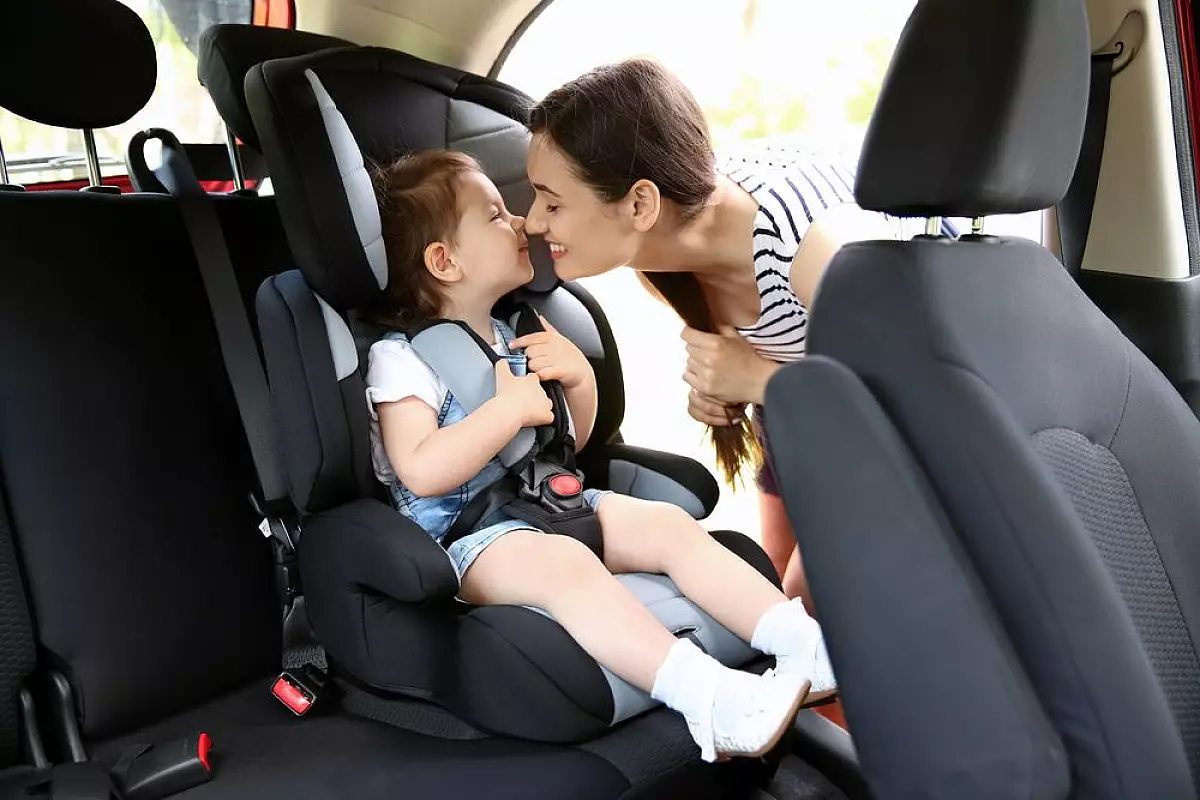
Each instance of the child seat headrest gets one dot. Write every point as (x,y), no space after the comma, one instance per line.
(226,54)
(323,119)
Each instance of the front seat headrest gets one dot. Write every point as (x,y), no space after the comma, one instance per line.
(982,110)
(324,119)
(76,63)
(226,54)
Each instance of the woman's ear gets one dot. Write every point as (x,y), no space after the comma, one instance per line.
(644,204)
(439,260)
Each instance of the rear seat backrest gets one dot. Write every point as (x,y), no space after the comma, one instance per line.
(121,447)
(17,654)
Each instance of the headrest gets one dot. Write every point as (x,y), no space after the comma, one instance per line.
(322,118)
(76,63)
(982,110)
(226,54)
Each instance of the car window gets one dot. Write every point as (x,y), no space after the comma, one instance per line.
(39,153)
(806,70)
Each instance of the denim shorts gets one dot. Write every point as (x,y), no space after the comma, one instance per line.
(464,551)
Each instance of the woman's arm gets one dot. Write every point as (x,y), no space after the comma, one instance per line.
(834,228)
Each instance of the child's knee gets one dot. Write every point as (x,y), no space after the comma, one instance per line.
(566,563)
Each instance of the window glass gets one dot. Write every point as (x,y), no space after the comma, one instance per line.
(38,153)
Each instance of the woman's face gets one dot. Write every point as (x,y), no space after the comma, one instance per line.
(587,236)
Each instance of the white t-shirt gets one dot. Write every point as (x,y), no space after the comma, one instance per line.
(396,372)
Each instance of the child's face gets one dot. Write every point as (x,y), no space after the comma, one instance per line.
(489,245)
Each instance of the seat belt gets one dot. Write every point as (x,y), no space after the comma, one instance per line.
(1075,209)
(303,678)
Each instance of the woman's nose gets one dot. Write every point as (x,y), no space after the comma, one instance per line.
(534,225)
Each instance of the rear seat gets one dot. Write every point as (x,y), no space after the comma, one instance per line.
(127,476)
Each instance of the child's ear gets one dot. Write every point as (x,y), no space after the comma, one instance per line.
(439,260)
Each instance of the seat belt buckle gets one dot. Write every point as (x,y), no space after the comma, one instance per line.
(163,770)
(300,690)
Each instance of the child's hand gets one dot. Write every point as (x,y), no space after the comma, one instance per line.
(525,396)
(553,357)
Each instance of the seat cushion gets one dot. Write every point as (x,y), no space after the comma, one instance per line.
(261,751)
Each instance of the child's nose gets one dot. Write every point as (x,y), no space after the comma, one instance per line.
(518,224)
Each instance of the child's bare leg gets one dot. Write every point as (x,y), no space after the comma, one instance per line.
(727,712)
(644,536)
(564,577)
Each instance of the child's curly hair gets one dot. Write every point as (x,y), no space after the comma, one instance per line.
(418,204)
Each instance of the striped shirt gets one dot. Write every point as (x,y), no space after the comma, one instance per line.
(792,187)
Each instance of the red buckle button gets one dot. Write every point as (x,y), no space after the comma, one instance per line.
(294,697)
(203,746)
(565,485)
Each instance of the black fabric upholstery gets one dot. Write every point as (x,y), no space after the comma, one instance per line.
(938,703)
(320,432)
(100,70)
(260,751)
(968,123)
(1105,500)
(977,348)
(393,103)
(123,457)
(227,52)
(381,594)
(17,654)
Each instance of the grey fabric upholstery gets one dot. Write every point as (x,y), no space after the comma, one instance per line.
(968,122)
(982,352)
(937,701)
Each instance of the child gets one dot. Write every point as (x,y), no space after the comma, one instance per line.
(453,251)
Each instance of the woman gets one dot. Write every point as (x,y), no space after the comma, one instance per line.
(624,174)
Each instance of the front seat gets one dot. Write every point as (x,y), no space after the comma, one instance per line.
(1065,462)
(380,592)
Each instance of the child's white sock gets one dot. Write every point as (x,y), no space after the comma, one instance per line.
(729,713)
(787,632)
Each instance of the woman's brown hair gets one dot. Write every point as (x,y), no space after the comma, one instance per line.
(418,205)
(634,120)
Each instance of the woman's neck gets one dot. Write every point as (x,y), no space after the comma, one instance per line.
(717,246)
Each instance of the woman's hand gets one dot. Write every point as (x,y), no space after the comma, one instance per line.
(554,357)
(723,368)
(709,411)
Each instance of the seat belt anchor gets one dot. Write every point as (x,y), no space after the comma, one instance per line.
(301,689)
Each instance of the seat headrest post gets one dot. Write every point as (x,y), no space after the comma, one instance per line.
(977,226)
(235,160)
(982,110)
(3,166)
(93,158)
(933,226)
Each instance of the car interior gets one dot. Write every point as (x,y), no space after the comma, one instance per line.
(988,455)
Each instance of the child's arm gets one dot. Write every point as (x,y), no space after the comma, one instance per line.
(553,357)
(431,461)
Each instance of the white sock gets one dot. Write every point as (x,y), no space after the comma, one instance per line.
(787,632)
(687,679)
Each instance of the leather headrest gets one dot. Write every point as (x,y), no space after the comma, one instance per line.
(323,118)
(226,54)
(982,110)
(75,63)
